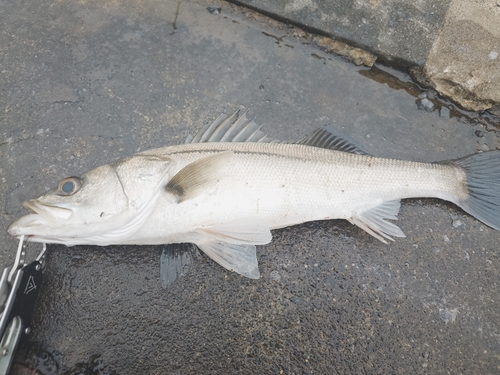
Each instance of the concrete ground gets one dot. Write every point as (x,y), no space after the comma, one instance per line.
(88,82)
(452,45)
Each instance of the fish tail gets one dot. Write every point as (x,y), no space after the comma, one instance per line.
(483,186)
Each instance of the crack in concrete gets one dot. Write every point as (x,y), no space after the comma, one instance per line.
(177,11)
(66,102)
(11,141)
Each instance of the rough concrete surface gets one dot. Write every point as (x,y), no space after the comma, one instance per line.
(464,62)
(402,30)
(87,82)
(453,45)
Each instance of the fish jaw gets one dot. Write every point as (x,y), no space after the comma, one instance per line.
(36,228)
(42,226)
(41,217)
(27,225)
(55,213)
(47,222)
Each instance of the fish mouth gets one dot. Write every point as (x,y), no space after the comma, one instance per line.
(49,212)
(41,216)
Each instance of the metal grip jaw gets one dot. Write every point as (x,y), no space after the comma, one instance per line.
(19,287)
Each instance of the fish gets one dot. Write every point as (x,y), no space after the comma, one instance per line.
(227,187)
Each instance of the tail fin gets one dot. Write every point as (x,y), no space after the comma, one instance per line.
(483,183)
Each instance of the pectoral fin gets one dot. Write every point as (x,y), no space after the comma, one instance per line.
(232,244)
(198,177)
(372,221)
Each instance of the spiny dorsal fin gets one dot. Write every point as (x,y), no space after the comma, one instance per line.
(323,138)
(196,177)
(235,128)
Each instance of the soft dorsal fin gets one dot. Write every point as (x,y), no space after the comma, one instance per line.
(324,138)
(235,128)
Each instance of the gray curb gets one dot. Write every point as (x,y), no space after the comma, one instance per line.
(452,45)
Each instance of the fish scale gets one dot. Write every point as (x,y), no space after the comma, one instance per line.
(272,181)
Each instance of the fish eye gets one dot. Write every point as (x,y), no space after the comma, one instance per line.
(69,185)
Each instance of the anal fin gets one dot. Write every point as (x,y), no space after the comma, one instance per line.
(373,221)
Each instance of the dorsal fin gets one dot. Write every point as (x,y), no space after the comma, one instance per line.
(235,128)
(324,138)
(238,128)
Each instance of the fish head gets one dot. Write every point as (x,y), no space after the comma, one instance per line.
(99,207)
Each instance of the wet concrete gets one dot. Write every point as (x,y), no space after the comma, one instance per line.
(396,30)
(451,45)
(89,82)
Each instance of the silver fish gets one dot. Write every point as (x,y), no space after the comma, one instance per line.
(230,185)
